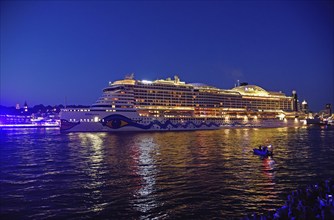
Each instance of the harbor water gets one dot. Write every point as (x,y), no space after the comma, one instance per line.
(157,175)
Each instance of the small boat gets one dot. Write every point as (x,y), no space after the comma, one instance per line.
(263,151)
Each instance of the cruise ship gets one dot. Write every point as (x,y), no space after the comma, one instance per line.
(170,104)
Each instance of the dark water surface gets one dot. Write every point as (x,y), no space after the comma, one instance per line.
(172,175)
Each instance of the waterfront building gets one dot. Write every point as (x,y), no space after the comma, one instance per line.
(328,109)
(305,107)
(11,117)
(166,104)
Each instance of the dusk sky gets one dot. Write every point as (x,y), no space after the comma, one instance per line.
(56,49)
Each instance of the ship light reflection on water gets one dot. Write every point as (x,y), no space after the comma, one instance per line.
(95,154)
(161,175)
(146,169)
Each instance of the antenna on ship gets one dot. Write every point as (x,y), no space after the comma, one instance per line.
(237,84)
(130,76)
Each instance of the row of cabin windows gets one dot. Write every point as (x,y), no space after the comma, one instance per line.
(156,89)
(117,97)
(189,95)
(216,106)
(169,96)
(160,95)
(82,120)
(226,104)
(150,99)
(114,106)
(163,87)
(162,91)
(239,103)
(207,99)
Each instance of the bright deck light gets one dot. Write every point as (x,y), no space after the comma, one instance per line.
(146,81)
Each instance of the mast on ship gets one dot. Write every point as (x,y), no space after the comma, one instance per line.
(130,76)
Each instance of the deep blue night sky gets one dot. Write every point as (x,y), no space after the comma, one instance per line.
(56,49)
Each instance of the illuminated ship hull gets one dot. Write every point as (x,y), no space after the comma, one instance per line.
(171,105)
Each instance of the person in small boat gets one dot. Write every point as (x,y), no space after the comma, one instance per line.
(265,149)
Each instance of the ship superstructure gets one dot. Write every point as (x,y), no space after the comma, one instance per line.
(170,104)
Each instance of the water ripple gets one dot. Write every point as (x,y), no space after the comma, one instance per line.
(174,175)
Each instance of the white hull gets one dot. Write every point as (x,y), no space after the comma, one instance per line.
(100,121)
